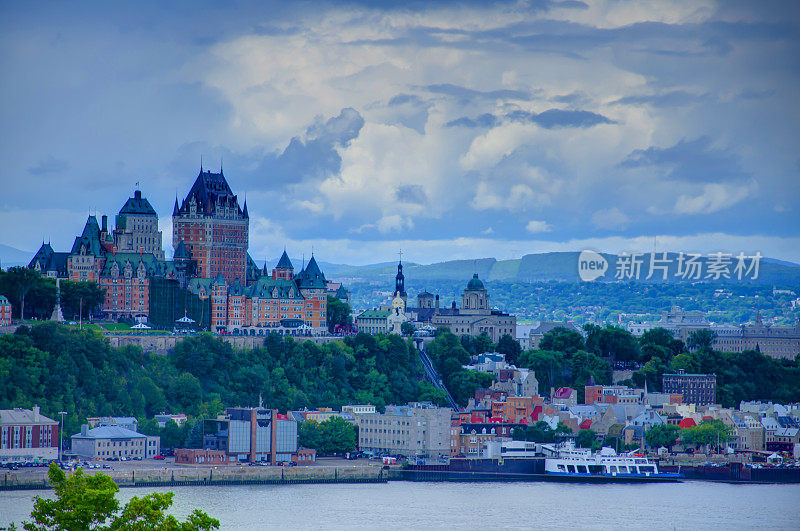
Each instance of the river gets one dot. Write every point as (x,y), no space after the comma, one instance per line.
(405,505)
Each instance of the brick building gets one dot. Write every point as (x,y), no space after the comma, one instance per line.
(700,389)
(27,436)
(283,302)
(5,311)
(214,228)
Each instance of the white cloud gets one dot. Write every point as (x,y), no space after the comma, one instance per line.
(387,224)
(535,226)
(610,218)
(715,197)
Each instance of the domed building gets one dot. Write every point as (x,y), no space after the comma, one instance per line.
(475,315)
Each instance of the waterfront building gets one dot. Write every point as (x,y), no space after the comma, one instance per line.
(5,311)
(197,456)
(700,389)
(114,441)
(27,436)
(418,429)
(252,434)
(214,228)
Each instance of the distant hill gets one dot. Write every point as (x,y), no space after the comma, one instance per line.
(9,256)
(562,266)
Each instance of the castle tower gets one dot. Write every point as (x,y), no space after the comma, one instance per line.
(284,270)
(214,228)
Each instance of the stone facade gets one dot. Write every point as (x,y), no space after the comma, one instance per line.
(137,228)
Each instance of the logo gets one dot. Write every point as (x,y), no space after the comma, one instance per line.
(591,265)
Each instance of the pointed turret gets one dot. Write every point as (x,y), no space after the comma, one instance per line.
(244,211)
(284,269)
(311,277)
(176,210)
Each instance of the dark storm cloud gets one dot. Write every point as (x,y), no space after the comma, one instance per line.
(312,157)
(550,119)
(690,160)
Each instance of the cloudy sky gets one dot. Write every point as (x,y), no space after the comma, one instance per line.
(447,129)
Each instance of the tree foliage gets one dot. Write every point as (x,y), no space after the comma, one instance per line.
(64,369)
(332,436)
(449,356)
(89,502)
(662,435)
(338,314)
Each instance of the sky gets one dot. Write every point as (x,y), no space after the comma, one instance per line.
(449,130)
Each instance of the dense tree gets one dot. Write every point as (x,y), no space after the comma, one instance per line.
(89,502)
(338,314)
(587,439)
(18,282)
(612,342)
(707,433)
(333,436)
(449,357)
(562,339)
(407,328)
(509,347)
(701,339)
(662,435)
(64,369)
(77,296)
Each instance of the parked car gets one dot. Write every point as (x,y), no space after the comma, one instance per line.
(159,457)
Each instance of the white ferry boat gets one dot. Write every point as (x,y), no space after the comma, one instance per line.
(567,460)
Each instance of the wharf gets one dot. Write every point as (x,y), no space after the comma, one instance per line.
(209,476)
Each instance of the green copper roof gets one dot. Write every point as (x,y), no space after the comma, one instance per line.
(475,283)
(138,205)
(375,314)
(311,277)
(271,288)
(284,262)
(90,238)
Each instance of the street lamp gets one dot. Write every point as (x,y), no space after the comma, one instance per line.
(61,435)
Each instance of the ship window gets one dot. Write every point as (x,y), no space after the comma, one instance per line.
(561,468)
(646,469)
(624,469)
(571,468)
(612,469)
(582,469)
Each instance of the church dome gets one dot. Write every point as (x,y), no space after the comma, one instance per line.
(475,283)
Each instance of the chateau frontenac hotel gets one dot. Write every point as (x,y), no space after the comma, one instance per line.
(211,279)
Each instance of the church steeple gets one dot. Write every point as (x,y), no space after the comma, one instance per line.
(400,281)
